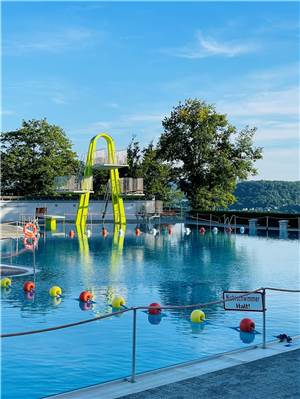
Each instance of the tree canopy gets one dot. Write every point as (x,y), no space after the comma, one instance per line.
(32,156)
(206,153)
(268,195)
(146,163)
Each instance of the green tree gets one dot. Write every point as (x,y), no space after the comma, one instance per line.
(100,180)
(156,174)
(208,155)
(144,162)
(32,156)
(134,160)
(268,195)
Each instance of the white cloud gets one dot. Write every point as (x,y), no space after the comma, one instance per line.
(7,112)
(102,125)
(276,102)
(279,164)
(208,46)
(276,74)
(129,121)
(145,118)
(276,130)
(59,99)
(53,42)
(113,105)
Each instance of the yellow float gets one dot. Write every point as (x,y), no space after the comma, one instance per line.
(5,282)
(55,291)
(197,316)
(117,302)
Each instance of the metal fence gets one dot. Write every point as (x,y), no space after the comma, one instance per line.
(263,222)
(266,222)
(130,185)
(102,158)
(73,184)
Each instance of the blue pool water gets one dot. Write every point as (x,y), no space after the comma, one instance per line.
(169,269)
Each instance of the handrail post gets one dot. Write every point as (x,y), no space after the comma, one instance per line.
(264,319)
(133,363)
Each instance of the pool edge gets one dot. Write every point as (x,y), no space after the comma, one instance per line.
(152,379)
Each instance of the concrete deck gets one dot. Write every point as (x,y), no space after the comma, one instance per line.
(253,373)
(275,377)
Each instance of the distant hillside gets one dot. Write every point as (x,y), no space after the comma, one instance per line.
(268,195)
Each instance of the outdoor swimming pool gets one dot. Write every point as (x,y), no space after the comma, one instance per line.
(170,269)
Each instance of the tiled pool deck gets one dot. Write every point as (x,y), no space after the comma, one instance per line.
(253,372)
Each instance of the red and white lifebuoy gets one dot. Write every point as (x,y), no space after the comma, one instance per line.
(30,230)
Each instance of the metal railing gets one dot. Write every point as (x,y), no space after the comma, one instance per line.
(134,309)
(236,220)
(101,157)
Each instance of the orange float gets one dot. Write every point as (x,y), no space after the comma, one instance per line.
(72,234)
(85,296)
(28,286)
(30,230)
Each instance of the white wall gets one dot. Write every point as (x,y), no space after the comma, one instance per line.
(13,210)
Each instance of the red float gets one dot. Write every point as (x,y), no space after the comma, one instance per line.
(137,232)
(170,231)
(202,230)
(86,296)
(154,308)
(28,286)
(104,232)
(247,325)
(72,234)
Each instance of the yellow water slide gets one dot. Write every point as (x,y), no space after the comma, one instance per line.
(87,183)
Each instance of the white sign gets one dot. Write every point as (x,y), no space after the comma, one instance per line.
(239,300)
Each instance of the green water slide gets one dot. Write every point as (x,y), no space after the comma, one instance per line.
(87,183)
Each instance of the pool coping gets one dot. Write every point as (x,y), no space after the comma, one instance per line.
(26,270)
(156,378)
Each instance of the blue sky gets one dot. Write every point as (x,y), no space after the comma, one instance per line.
(121,67)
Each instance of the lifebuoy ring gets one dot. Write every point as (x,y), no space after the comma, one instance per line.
(30,242)
(30,230)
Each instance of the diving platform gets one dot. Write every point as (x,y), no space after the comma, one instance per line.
(116,188)
(103,161)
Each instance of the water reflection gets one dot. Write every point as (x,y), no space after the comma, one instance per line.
(176,268)
(154,319)
(247,338)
